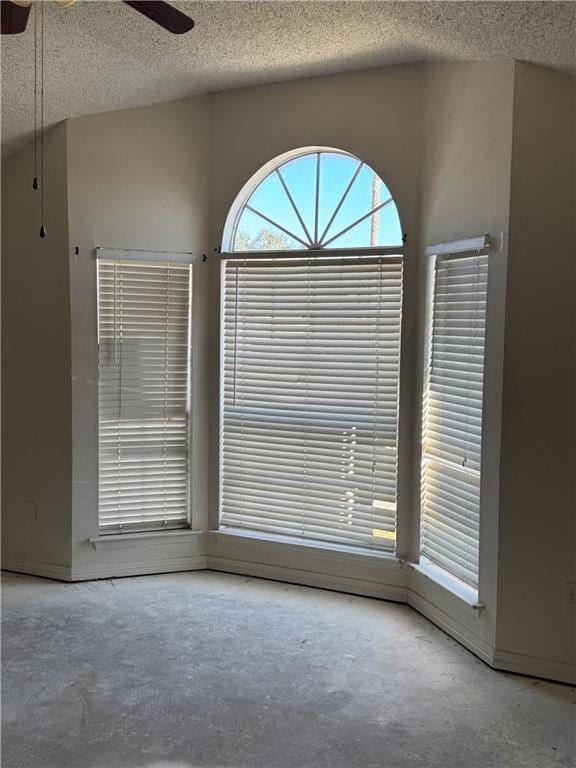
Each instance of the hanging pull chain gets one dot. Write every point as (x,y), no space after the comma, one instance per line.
(43,187)
(35,180)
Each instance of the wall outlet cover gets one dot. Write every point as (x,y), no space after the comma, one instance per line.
(31,511)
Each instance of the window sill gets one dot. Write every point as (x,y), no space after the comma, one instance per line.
(448,582)
(142,538)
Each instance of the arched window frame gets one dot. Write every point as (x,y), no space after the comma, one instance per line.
(394,252)
(243,198)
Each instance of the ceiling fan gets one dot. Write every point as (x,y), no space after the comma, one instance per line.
(15,15)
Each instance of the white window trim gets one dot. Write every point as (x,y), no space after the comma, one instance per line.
(327,253)
(464,245)
(405,496)
(470,245)
(143,536)
(140,538)
(403,438)
(450,253)
(228,548)
(450,583)
(130,254)
(294,545)
(297,543)
(491,417)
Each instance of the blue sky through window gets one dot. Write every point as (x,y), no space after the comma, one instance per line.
(281,212)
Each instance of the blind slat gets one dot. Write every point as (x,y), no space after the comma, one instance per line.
(143,335)
(309,398)
(452,428)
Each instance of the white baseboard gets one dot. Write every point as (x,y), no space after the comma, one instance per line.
(139,567)
(533,666)
(342,583)
(452,627)
(37,568)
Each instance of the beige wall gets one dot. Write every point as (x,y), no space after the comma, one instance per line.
(36,383)
(538,505)
(466,137)
(373,114)
(138,179)
(466,160)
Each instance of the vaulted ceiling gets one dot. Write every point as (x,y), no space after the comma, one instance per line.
(102,56)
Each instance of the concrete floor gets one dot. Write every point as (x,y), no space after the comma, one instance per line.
(206,670)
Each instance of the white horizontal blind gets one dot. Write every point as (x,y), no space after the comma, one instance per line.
(452,437)
(143,335)
(310,372)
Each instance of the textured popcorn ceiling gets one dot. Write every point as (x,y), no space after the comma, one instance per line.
(103,55)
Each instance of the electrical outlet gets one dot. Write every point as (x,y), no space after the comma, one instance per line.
(571,594)
(31,511)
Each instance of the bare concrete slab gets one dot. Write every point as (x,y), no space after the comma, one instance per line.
(206,670)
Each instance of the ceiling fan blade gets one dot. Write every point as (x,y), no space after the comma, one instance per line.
(164,14)
(14,17)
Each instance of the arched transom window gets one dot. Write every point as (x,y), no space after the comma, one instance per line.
(324,199)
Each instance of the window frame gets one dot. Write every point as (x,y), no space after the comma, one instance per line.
(243,197)
(144,257)
(319,254)
(471,248)
(404,550)
(496,246)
